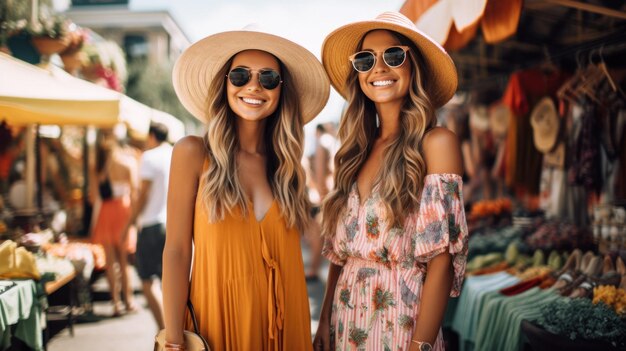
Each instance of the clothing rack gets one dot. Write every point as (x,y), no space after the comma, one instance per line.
(611,44)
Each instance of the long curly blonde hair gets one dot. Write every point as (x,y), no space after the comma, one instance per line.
(284,136)
(402,173)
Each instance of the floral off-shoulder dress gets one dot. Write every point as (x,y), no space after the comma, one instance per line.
(377,299)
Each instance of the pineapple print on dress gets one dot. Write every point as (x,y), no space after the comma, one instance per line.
(384,267)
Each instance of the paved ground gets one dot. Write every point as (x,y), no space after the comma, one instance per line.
(136,332)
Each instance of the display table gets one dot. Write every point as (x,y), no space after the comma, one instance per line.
(20,315)
(55,285)
(60,295)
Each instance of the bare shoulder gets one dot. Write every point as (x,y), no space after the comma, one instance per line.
(122,163)
(442,151)
(190,153)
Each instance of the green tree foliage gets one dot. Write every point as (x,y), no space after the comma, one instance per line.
(152,85)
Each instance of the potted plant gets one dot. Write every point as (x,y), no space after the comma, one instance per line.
(21,29)
(13,16)
(72,56)
(50,35)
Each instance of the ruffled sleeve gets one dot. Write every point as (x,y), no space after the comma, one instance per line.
(331,254)
(440,225)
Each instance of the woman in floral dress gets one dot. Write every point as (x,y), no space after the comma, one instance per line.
(395,226)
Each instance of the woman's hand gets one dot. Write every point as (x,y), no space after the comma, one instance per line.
(322,341)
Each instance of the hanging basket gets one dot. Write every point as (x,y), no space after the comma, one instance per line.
(49,46)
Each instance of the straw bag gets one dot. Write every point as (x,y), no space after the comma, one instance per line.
(193,340)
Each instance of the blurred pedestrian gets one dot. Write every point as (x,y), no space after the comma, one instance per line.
(116,181)
(322,161)
(320,170)
(150,213)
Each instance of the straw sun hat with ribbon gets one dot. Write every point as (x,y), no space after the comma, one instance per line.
(199,64)
(545,122)
(440,75)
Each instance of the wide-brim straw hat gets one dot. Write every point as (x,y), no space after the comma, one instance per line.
(499,119)
(479,118)
(198,65)
(440,76)
(545,122)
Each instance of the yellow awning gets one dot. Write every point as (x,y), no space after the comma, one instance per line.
(33,95)
(29,94)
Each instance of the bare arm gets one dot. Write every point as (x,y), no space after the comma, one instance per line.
(134,177)
(129,164)
(443,155)
(320,159)
(140,204)
(333,275)
(185,172)
(322,341)
(468,159)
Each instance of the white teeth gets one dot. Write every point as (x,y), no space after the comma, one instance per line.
(382,83)
(252,101)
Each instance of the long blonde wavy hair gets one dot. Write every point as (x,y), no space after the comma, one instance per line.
(284,136)
(402,173)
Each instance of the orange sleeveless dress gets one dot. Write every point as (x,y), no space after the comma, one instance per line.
(247,282)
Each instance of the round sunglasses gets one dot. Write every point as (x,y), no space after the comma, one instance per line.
(268,78)
(393,56)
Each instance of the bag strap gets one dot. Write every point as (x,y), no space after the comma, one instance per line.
(192,313)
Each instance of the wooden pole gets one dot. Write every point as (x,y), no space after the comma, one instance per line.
(39,170)
(30,167)
(582,6)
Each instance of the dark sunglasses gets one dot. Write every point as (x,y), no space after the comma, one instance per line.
(268,78)
(364,61)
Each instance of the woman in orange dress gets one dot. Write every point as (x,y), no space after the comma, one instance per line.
(238,194)
(395,228)
(116,180)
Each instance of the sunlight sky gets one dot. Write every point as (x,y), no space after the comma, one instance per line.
(304,22)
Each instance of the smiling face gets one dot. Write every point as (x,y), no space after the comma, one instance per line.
(383,84)
(251,101)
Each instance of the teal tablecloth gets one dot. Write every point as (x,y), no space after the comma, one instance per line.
(19,306)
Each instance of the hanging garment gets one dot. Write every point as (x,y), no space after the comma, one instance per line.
(585,160)
(524,90)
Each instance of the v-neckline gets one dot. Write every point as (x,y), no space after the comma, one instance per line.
(362,201)
(259,221)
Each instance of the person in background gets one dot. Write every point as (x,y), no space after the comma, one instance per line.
(238,194)
(320,172)
(394,226)
(322,160)
(313,230)
(116,182)
(150,214)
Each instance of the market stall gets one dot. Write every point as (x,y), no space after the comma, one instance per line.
(541,114)
(32,98)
